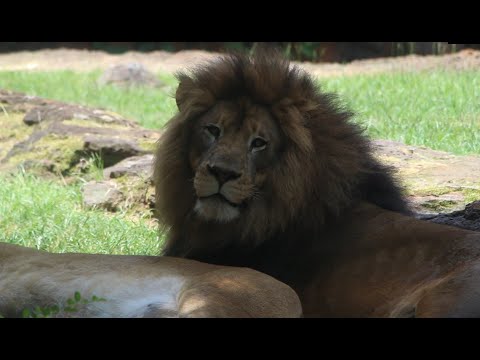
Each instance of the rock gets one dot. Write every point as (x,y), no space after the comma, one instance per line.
(141,166)
(435,181)
(48,112)
(134,177)
(12,97)
(433,204)
(472,211)
(102,194)
(38,110)
(59,111)
(65,134)
(127,75)
(111,149)
(151,201)
(42,164)
(469,218)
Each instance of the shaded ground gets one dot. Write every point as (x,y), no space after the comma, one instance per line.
(84,60)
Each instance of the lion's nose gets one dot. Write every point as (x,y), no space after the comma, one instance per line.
(223,174)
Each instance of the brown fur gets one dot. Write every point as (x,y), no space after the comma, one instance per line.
(299,216)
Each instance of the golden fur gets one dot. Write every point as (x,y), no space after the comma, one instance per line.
(137,286)
(260,168)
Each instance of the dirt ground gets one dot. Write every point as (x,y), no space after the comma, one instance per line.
(85,60)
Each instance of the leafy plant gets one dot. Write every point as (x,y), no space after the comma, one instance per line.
(72,306)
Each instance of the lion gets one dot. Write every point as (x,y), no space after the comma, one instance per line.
(260,168)
(135,286)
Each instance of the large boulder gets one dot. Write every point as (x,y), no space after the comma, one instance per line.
(36,131)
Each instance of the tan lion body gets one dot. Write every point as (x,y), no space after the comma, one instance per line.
(137,286)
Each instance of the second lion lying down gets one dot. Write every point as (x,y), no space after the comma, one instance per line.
(136,286)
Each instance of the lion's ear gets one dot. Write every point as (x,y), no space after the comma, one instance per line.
(184,88)
(192,98)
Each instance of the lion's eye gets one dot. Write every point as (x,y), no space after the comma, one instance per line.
(214,130)
(258,144)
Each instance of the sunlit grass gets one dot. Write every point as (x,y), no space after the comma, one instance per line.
(438,109)
(49,216)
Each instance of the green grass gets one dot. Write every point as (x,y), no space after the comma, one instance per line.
(438,109)
(149,107)
(49,216)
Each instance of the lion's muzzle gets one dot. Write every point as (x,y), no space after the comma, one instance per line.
(223,174)
(222,192)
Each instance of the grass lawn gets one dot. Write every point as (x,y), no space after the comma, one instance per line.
(438,109)
(48,215)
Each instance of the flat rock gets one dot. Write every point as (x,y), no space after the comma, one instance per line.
(38,109)
(434,181)
(141,166)
(61,111)
(65,134)
(111,149)
(102,194)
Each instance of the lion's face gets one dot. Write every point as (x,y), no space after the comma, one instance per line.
(233,145)
(256,152)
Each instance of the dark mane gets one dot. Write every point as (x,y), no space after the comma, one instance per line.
(325,168)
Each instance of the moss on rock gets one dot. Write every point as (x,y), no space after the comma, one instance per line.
(60,149)
(148,145)
(13,131)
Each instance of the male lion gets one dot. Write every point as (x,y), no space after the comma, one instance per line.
(259,168)
(136,286)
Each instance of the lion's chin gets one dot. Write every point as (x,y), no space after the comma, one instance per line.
(216,209)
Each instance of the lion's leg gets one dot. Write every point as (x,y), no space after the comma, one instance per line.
(458,296)
(237,293)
